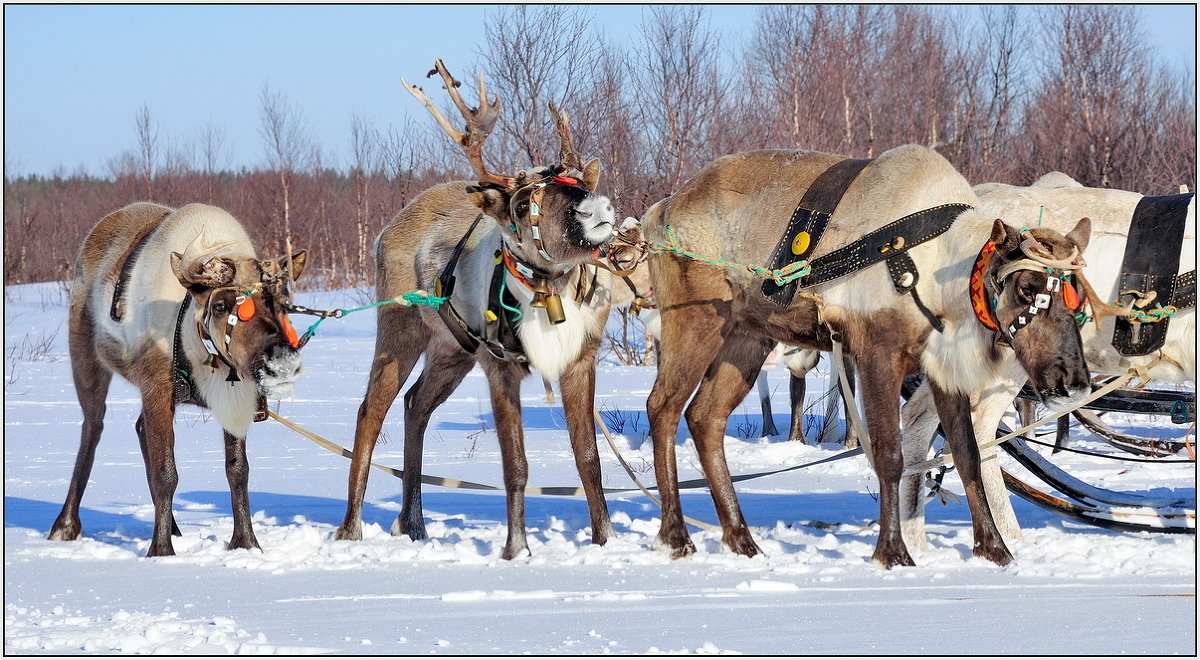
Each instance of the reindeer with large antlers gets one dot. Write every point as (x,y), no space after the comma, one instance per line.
(516,256)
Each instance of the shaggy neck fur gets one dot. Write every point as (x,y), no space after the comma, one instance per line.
(550,348)
(964,357)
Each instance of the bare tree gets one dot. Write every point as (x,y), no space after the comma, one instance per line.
(533,55)
(282,131)
(364,150)
(147,137)
(1087,110)
(677,90)
(213,155)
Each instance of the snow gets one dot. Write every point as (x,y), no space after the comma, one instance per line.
(1073,589)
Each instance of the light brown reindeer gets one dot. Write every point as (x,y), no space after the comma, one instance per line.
(512,253)
(717,325)
(176,302)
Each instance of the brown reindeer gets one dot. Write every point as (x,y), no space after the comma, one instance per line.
(717,324)
(512,253)
(176,302)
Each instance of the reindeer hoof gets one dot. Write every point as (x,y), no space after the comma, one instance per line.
(510,552)
(889,560)
(602,533)
(413,529)
(742,544)
(243,542)
(677,547)
(161,549)
(997,554)
(65,532)
(348,532)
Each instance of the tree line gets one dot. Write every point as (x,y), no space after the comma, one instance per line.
(1074,91)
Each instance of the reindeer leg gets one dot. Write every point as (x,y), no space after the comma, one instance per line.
(882,374)
(920,422)
(237,471)
(399,341)
(156,425)
(729,379)
(796,388)
(504,385)
(688,347)
(578,385)
(140,427)
(955,413)
(92,380)
(851,439)
(445,369)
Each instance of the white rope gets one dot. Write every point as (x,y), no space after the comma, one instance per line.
(946,459)
(852,404)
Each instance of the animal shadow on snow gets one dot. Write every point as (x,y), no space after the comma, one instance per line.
(475,511)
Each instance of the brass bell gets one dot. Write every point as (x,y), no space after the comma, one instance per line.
(554,309)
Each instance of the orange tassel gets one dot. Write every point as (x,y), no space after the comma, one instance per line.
(1070,296)
(290,332)
(245,309)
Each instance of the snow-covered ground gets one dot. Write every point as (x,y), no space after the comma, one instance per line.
(1073,589)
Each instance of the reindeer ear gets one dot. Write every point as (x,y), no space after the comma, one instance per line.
(210,273)
(591,174)
(1081,234)
(1005,237)
(176,262)
(490,199)
(299,261)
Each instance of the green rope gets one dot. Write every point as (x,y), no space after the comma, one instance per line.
(1155,315)
(781,276)
(500,299)
(408,300)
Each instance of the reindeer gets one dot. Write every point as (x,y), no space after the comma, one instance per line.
(717,325)
(176,302)
(512,252)
(1054,200)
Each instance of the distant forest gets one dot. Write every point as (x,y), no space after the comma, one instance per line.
(1088,100)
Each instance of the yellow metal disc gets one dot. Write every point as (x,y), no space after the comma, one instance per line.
(800,243)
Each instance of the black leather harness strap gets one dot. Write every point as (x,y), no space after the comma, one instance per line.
(890,242)
(117,311)
(1185,290)
(808,223)
(500,336)
(1150,266)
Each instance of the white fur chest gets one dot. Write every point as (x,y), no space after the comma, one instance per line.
(550,348)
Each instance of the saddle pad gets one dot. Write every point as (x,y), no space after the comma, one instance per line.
(1150,264)
(808,224)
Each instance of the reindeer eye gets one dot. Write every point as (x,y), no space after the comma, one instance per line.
(220,307)
(1027,292)
(522,208)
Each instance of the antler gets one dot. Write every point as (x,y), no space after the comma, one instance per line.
(480,121)
(566,153)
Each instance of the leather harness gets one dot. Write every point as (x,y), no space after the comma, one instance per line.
(889,243)
(1149,270)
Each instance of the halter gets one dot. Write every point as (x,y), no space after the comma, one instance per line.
(985,288)
(244,310)
(535,211)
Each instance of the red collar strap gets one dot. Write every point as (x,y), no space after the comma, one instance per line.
(523,274)
(985,295)
(981,289)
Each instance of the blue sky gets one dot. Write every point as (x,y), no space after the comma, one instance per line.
(75,76)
